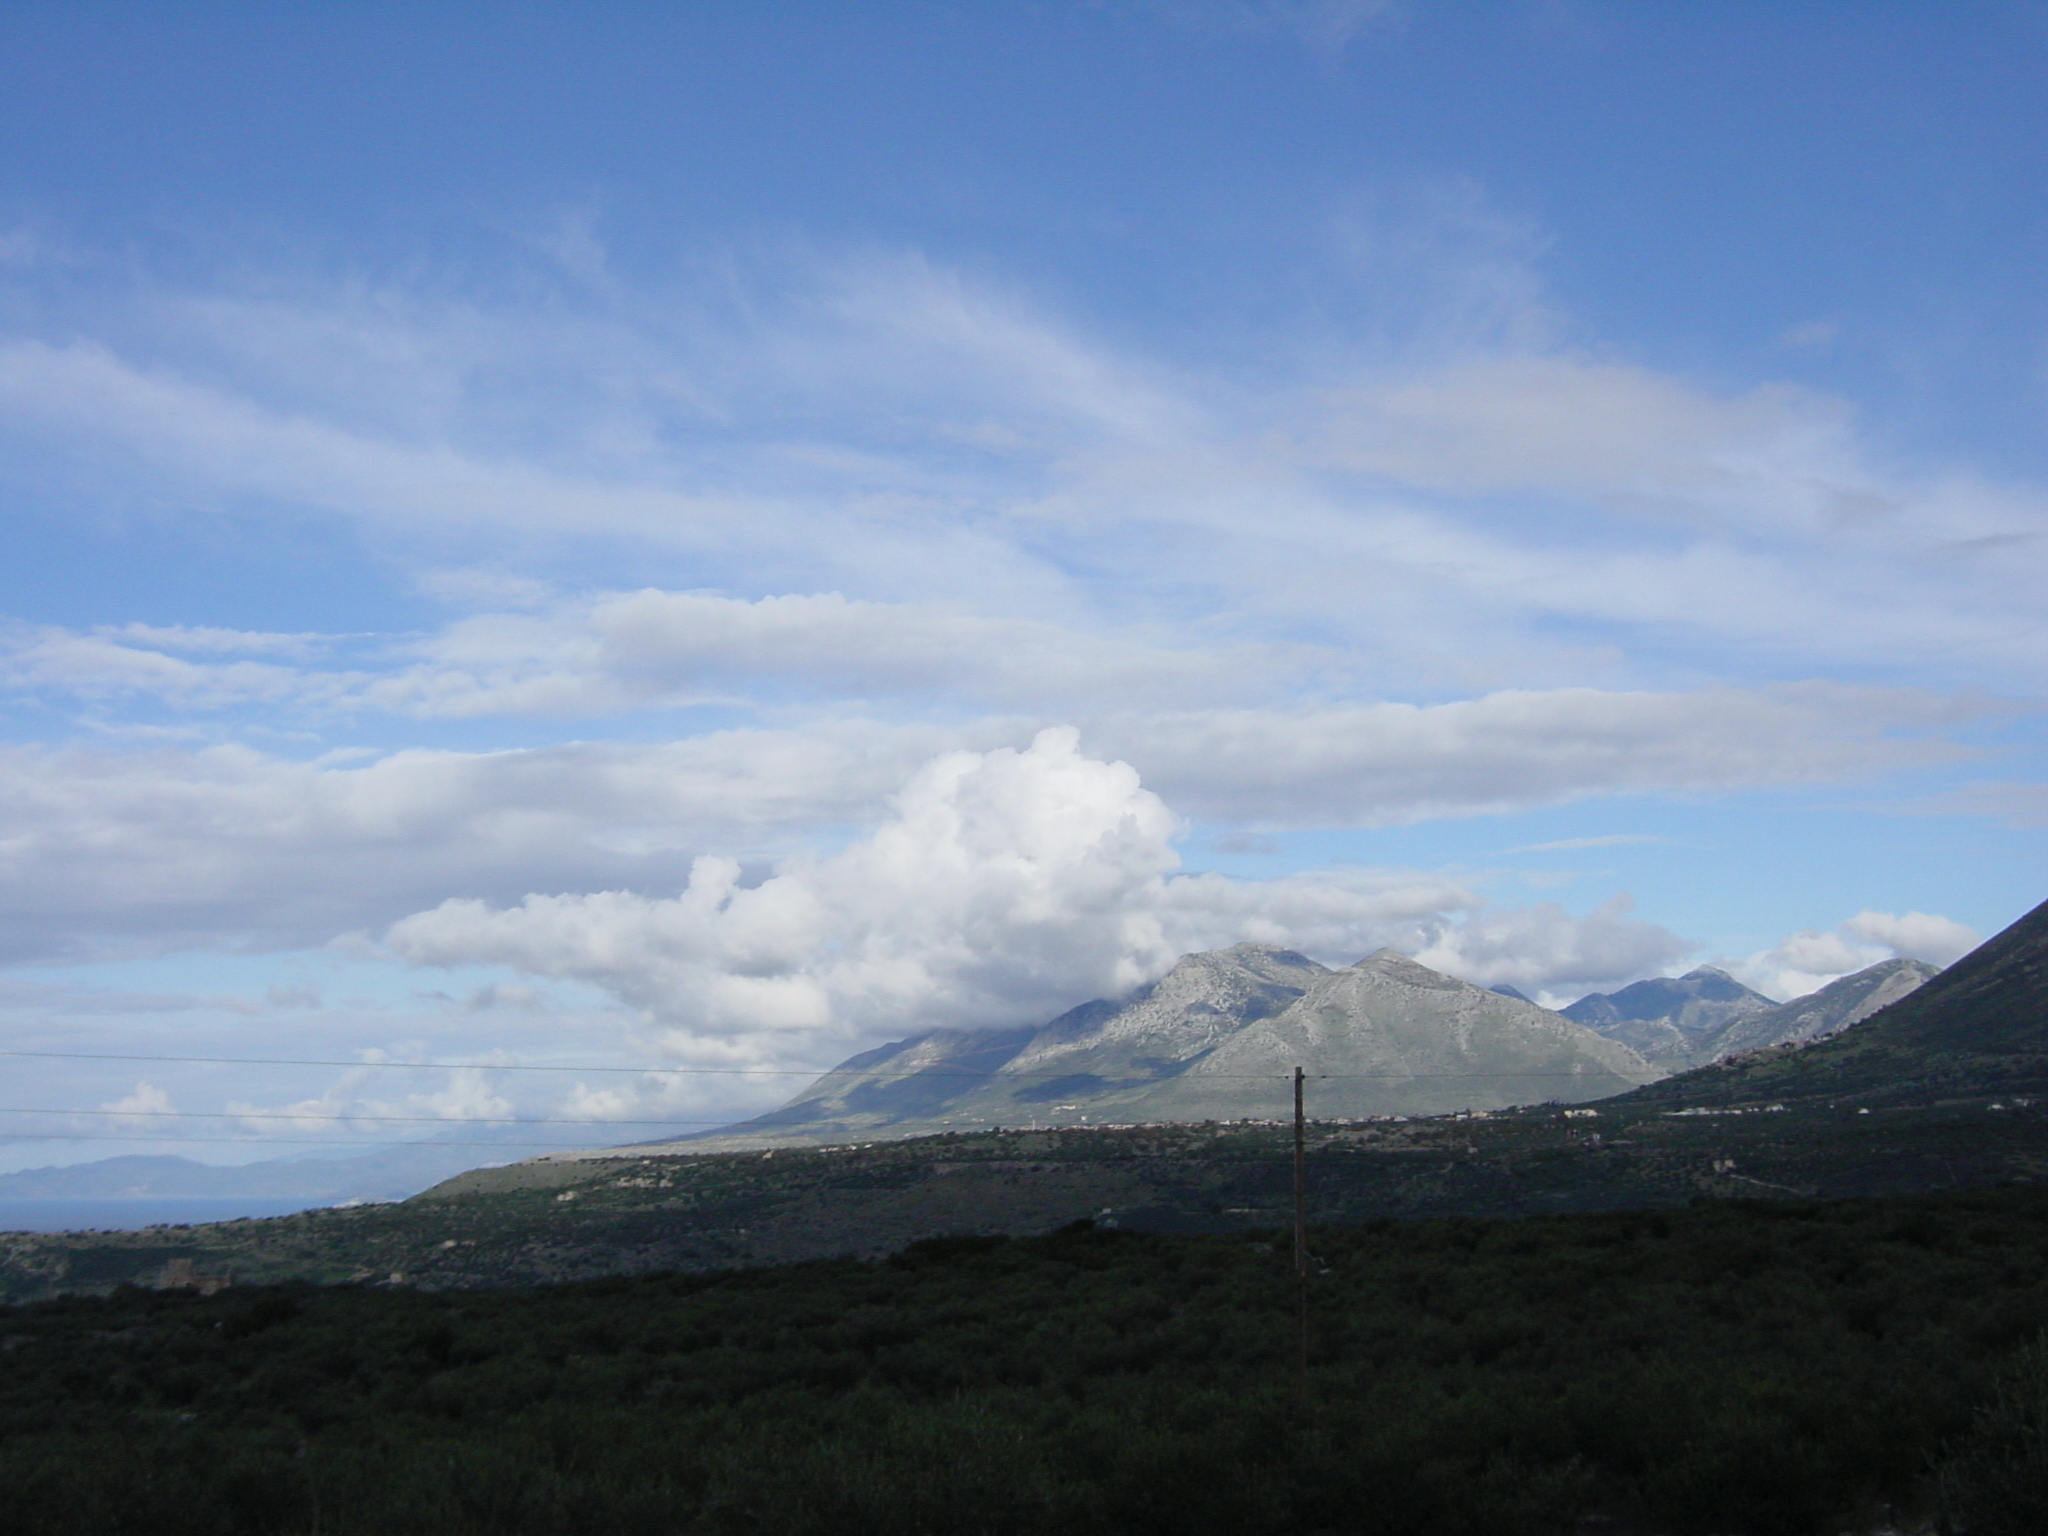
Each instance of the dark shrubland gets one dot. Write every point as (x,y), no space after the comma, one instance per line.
(1744,1367)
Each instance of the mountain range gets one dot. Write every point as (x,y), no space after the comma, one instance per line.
(1707,1015)
(1943,1089)
(1217,1038)
(1669,1019)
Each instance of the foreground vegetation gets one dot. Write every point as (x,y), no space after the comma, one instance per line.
(1729,1367)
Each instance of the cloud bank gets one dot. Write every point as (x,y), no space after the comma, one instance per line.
(104,850)
(1004,887)
(1503,512)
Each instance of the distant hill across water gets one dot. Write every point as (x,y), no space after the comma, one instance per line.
(136,1190)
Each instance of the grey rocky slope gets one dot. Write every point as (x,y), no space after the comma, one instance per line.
(1088,1066)
(1670,1019)
(1848,1000)
(1388,1036)
(1216,1038)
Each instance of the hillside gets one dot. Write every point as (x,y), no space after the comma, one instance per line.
(1978,1028)
(1390,1037)
(1844,1001)
(1092,1063)
(633,1213)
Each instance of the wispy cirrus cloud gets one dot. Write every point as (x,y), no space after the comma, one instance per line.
(1390,763)
(1605,840)
(883,428)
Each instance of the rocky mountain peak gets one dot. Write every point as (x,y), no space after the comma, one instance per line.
(1201,999)
(1217,1038)
(1668,1019)
(1397,967)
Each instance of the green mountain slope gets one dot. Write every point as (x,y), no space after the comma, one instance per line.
(1980,1027)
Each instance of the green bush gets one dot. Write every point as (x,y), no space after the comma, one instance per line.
(1994,1481)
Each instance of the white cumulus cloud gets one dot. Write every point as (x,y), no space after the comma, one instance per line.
(106,850)
(145,1103)
(1805,961)
(1916,935)
(1002,879)
(1006,886)
(1386,762)
(1546,952)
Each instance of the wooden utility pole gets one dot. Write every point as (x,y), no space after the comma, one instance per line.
(1300,1240)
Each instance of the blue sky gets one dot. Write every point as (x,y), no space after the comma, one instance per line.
(713,536)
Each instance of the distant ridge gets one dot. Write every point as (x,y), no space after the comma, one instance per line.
(1980,1027)
(1670,1020)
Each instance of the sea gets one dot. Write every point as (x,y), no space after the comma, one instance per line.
(70,1215)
